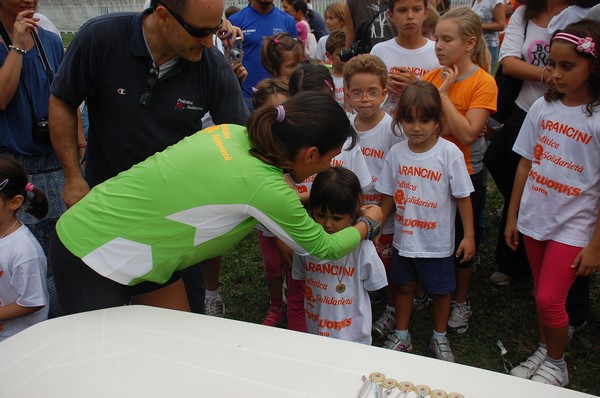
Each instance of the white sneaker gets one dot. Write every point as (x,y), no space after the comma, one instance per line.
(441,349)
(575,329)
(459,317)
(214,306)
(549,373)
(385,325)
(531,365)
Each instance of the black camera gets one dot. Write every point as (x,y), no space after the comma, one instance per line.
(356,48)
(40,130)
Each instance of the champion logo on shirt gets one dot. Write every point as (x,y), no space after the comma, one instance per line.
(121,91)
(183,104)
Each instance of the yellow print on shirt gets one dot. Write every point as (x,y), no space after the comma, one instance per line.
(221,146)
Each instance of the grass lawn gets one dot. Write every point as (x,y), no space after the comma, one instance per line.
(499,313)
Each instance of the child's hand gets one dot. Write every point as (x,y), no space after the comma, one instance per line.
(466,249)
(399,78)
(511,234)
(240,72)
(587,261)
(450,75)
(285,253)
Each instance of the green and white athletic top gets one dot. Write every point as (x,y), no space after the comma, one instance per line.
(189,203)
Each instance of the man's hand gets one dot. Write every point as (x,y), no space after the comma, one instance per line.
(74,190)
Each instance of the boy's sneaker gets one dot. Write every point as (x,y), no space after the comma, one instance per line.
(393,342)
(214,306)
(575,329)
(549,373)
(459,317)
(385,325)
(420,303)
(275,315)
(500,279)
(441,349)
(531,365)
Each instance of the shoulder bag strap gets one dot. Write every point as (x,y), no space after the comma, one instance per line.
(40,48)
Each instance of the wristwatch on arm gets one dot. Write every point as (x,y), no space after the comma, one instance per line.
(373,227)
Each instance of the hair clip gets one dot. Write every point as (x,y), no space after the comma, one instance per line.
(280,114)
(276,41)
(585,45)
(3,184)
(328,84)
(29,187)
(254,90)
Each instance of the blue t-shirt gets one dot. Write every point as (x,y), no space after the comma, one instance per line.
(17,119)
(257,26)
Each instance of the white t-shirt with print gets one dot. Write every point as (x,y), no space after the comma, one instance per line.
(352,159)
(424,187)
(23,270)
(346,315)
(339,89)
(562,193)
(375,144)
(420,61)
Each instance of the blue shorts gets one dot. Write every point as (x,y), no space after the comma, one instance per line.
(437,275)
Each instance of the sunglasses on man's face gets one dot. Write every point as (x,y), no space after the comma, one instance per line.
(196,32)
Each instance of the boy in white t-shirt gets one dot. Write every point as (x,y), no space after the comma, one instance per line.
(333,46)
(408,56)
(365,78)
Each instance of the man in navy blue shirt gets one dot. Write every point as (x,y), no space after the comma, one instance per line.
(258,20)
(148,79)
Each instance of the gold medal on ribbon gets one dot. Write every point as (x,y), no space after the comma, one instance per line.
(340,288)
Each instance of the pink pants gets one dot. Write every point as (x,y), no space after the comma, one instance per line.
(296,317)
(553,276)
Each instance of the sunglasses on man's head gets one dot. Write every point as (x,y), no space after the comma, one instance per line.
(196,32)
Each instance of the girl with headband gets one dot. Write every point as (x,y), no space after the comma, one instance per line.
(23,267)
(126,240)
(556,194)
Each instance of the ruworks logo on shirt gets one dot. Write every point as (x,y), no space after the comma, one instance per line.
(183,104)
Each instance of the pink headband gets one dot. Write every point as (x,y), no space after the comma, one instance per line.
(585,45)
(280,114)
(29,187)
(328,84)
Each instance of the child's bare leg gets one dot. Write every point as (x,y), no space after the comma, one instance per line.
(211,269)
(404,302)
(441,311)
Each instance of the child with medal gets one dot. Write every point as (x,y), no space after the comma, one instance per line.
(336,300)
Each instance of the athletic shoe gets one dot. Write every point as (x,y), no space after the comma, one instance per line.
(385,325)
(420,303)
(393,342)
(500,279)
(575,329)
(459,317)
(214,306)
(275,315)
(549,373)
(531,365)
(441,349)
